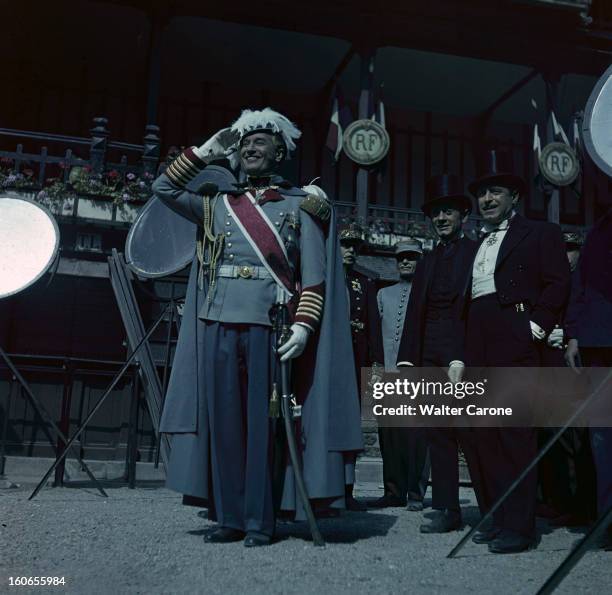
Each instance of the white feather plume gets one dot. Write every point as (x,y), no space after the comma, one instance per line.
(265,119)
(316,191)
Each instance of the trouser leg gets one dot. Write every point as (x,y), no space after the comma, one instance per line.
(237,389)
(444,468)
(258,502)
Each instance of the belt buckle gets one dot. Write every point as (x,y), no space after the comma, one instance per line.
(246,272)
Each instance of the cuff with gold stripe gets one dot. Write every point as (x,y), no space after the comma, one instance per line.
(310,307)
(185,167)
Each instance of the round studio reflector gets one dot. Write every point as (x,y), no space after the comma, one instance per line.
(597,123)
(29,241)
(162,242)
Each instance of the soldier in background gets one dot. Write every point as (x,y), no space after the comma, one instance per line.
(403,450)
(365,323)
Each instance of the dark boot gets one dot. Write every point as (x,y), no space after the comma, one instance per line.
(511,542)
(351,503)
(444,522)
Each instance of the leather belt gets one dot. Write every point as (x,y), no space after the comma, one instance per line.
(243,272)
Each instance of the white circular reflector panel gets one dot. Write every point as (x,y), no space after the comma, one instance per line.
(597,124)
(29,240)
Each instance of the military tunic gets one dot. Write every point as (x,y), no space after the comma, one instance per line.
(392,305)
(365,322)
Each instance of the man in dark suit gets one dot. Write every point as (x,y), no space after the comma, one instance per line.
(588,325)
(365,323)
(519,287)
(434,336)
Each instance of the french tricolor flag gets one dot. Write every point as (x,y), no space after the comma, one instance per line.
(340,118)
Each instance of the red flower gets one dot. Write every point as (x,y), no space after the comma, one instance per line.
(28,173)
(87,168)
(113,175)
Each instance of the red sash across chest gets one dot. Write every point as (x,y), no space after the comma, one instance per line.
(262,235)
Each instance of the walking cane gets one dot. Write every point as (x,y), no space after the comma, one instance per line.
(279,315)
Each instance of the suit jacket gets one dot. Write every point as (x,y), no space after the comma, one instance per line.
(589,315)
(411,346)
(532,268)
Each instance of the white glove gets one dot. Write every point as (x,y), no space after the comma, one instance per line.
(555,339)
(218,146)
(294,346)
(455,371)
(537,332)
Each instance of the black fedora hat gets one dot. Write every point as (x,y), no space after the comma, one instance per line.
(448,189)
(497,168)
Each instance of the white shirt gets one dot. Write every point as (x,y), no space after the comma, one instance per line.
(483,271)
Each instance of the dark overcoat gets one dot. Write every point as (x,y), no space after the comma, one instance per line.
(411,346)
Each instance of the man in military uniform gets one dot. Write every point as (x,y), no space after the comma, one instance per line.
(519,287)
(364,320)
(261,242)
(434,336)
(403,450)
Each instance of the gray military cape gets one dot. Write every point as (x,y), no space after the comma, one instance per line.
(324,381)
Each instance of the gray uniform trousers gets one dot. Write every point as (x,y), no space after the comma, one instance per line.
(236,361)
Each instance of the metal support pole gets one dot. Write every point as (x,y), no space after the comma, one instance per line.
(489,515)
(554,580)
(64,423)
(5,425)
(165,377)
(44,414)
(82,427)
(132,445)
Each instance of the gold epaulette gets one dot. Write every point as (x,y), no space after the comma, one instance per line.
(316,206)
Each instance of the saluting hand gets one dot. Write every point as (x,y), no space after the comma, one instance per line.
(218,146)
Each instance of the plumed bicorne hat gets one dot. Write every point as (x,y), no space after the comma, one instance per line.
(266,120)
(496,167)
(445,189)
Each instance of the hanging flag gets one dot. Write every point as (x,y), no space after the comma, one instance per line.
(340,118)
(537,148)
(558,130)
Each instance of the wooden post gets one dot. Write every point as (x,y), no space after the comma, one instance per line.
(552,102)
(158,22)
(363,176)
(99,140)
(150,153)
